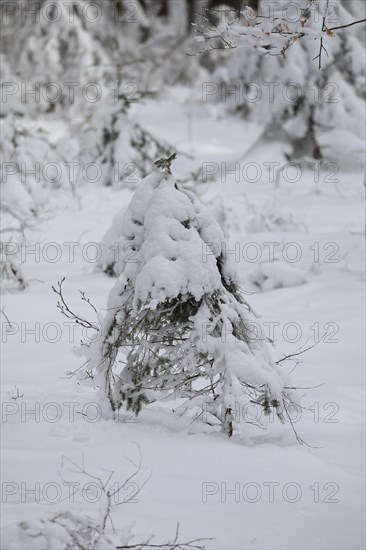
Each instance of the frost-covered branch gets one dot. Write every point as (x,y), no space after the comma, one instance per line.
(272,33)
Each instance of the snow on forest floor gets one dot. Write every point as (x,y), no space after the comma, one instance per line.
(268,491)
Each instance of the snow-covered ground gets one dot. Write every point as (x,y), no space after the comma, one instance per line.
(268,492)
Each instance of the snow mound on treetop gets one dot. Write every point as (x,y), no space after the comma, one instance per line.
(169,246)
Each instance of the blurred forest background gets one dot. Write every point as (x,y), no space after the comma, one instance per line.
(73,71)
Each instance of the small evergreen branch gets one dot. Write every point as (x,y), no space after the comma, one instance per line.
(164,164)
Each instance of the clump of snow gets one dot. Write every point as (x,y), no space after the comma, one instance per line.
(66,530)
(270,275)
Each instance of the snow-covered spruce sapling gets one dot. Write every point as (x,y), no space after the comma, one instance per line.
(176,321)
(125,150)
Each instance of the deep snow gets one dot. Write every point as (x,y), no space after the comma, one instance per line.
(192,464)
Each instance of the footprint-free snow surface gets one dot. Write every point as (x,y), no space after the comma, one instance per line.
(298,246)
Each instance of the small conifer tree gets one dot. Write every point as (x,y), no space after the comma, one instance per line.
(176,318)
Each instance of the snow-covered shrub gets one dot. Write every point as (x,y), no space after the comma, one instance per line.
(178,312)
(11,274)
(154,48)
(72,529)
(19,208)
(34,163)
(272,217)
(251,217)
(68,530)
(39,160)
(18,214)
(11,99)
(122,148)
(56,48)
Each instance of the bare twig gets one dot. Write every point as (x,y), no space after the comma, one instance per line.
(300,351)
(65,309)
(6,317)
(349,25)
(87,300)
(173,545)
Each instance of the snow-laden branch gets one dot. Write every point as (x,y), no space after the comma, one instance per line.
(272,33)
